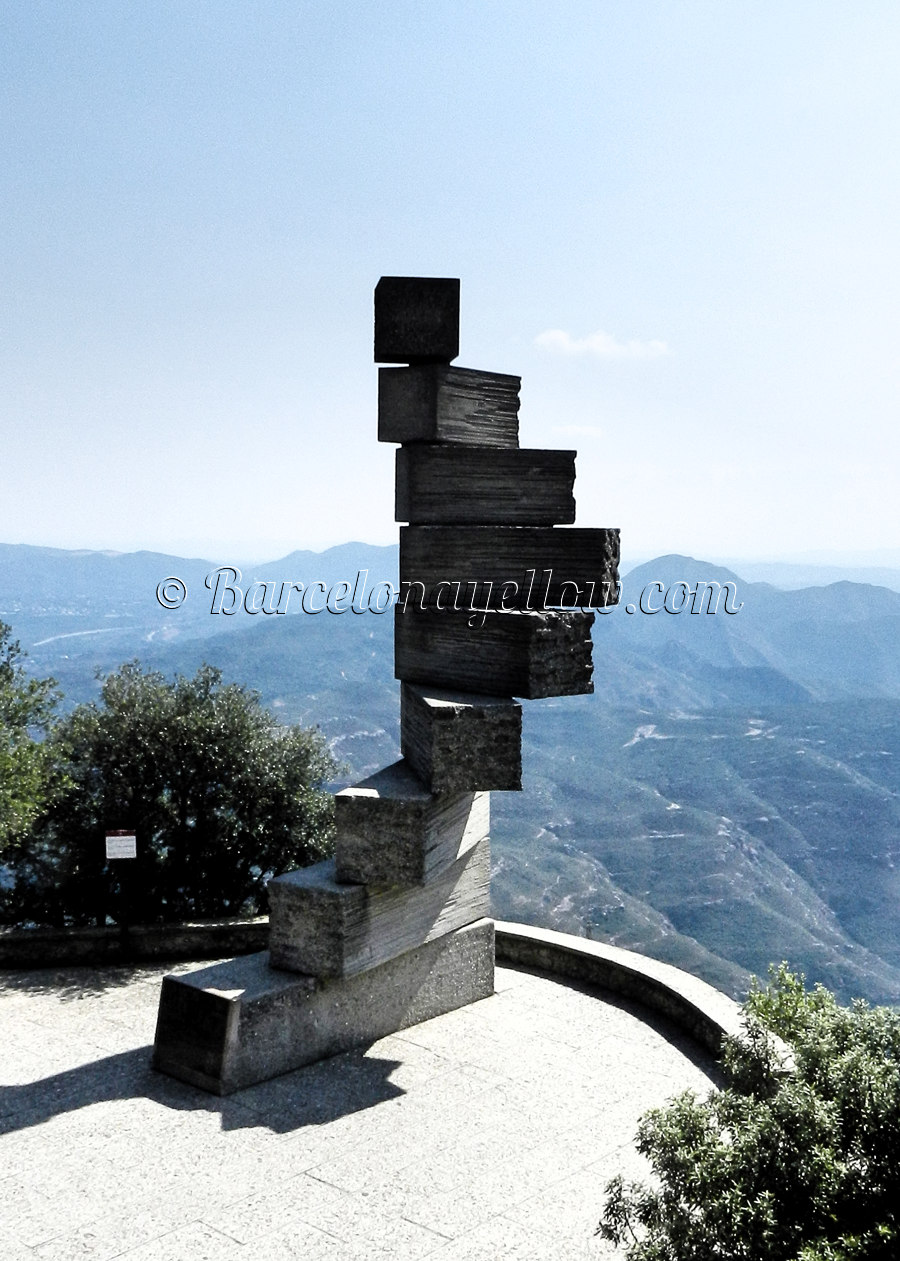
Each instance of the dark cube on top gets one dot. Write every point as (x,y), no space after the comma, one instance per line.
(416,319)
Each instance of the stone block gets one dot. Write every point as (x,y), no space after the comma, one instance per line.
(443,404)
(321,927)
(456,741)
(508,567)
(241,1022)
(416,319)
(530,655)
(392,831)
(437,485)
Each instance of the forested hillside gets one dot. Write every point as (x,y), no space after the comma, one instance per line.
(729,796)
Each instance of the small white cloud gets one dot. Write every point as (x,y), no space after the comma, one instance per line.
(601,345)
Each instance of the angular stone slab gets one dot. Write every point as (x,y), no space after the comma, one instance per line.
(392,831)
(416,319)
(456,741)
(530,655)
(508,567)
(324,928)
(463,485)
(241,1022)
(441,404)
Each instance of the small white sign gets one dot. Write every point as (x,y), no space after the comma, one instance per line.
(121,845)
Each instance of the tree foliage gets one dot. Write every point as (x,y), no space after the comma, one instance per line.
(777,1166)
(26,708)
(219,798)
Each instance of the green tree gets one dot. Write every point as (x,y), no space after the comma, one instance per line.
(218,795)
(26,710)
(799,1165)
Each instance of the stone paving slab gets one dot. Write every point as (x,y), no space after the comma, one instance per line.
(488,1133)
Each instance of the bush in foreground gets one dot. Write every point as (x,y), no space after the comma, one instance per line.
(218,795)
(801,1166)
(26,709)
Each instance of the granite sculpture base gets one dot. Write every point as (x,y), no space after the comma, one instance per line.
(241,1022)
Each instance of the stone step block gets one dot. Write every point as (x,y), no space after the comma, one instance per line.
(444,404)
(321,927)
(416,319)
(391,830)
(530,655)
(461,485)
(237,1023)
(456,741)
(508,567)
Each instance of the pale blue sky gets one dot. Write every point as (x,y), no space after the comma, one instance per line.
(678,222)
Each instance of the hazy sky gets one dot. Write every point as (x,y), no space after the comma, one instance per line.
(678,222)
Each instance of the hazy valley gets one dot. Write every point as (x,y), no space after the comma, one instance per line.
(729,796)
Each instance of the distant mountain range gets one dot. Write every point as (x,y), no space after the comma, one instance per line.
(784,574)
(729,796)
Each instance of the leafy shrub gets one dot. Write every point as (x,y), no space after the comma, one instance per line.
(26,709)
(800,1166)
(217,794)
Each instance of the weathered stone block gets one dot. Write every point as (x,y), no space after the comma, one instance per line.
(442,404)
(237,1023)
(457,741)
(508,567)
(416,319)
(462,485)
(324,928)
(392,831)
(516,654)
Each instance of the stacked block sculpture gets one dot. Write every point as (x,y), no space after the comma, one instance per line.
(494,604)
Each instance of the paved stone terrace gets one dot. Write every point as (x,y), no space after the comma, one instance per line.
(487,1133)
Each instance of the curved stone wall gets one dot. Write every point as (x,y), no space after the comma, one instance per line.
(691,1004)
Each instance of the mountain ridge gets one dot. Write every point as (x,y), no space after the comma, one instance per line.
(730,795)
